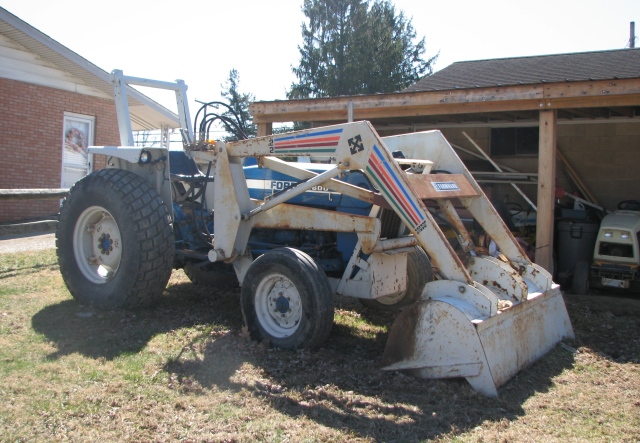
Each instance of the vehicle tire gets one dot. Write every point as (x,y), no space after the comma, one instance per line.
(214,275)
(580,283)
(419,273)
(114,241)
(286,298)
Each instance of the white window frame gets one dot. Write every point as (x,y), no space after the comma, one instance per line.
(68,120)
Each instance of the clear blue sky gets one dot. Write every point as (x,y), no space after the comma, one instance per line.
(200,41)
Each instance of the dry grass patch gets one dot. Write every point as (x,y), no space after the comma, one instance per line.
(185,371)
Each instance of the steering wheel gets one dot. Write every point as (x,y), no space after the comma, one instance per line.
(629,205)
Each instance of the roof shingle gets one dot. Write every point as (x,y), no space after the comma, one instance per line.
(583,66)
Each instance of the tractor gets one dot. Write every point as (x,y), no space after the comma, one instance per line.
(376,218)
(616,255)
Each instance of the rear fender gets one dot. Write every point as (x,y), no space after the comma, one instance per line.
(155,170)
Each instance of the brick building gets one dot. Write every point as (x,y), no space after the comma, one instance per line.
(53,104)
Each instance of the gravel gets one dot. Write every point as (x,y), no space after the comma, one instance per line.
(26,242)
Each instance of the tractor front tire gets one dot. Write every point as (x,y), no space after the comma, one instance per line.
(114,241)
(287,299)
(419,273)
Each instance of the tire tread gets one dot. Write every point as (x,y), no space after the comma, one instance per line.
(155,247)
(319,312)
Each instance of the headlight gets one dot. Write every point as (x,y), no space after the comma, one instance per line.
(145,157)
(608,234)
(625,235)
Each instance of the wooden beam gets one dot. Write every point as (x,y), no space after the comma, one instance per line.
(293,113)
(573,176)
(400,100)
(593,88)
(546,188)
(515,98)
(602,101)
(264,129)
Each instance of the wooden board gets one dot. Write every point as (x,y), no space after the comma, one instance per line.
(578,94)
(546,188)
(573,176)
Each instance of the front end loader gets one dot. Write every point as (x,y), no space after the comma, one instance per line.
(387,220)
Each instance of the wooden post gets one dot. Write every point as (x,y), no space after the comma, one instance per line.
(265,129)
(546,188)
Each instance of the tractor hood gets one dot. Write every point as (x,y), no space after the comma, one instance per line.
(625,220)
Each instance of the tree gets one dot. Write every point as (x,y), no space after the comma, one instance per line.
(239,107)
(350,47)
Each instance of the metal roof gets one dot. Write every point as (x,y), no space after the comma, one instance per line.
(145,113)
(556,68)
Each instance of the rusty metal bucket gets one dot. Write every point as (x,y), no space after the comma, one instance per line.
(449,336)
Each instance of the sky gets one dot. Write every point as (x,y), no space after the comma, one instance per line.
(200,41)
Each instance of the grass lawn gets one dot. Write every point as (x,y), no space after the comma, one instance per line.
(185,370)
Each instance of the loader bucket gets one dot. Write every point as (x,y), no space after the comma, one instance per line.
(449,335)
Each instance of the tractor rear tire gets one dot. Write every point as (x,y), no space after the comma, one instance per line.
(287,299)
(580,283)
(214,275)
(114,241)
(419,273)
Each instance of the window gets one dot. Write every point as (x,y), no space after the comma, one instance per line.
(515,141)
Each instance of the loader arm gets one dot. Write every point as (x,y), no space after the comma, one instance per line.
(356,146)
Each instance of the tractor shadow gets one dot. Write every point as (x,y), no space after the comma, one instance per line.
(95,333)
(342,386)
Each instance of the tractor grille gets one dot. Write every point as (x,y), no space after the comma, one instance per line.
(616,249)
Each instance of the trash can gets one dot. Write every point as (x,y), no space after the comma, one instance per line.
(576,240)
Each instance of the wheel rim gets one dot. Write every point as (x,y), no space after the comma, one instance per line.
(97,245)
(278,306)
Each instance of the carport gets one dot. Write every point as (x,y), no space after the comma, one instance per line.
(592,98)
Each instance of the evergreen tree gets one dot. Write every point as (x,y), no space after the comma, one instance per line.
(239,107)
(351,47)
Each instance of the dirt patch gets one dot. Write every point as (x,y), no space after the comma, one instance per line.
(608,323)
